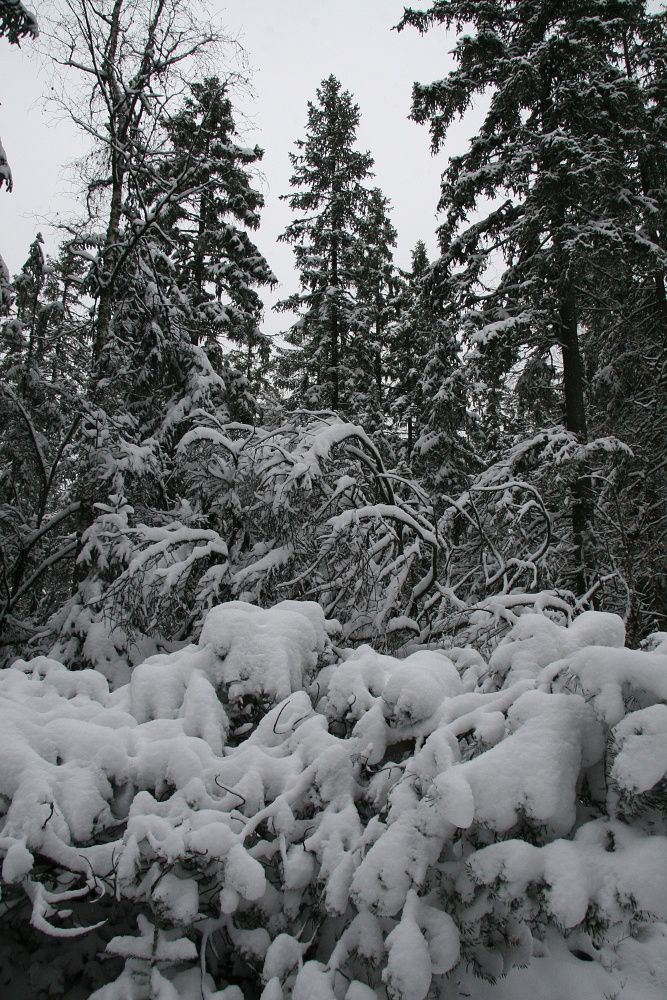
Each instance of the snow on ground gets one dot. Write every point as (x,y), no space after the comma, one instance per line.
(255,815)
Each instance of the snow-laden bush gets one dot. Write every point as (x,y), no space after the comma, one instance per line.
(305,509)
(261,814)
(301,510)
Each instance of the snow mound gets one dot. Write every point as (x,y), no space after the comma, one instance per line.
(245,816)
(263,653)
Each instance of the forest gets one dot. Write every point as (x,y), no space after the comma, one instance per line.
(333,665)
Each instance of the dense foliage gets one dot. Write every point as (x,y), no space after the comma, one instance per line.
(516,422)
(315,672)
(567,179)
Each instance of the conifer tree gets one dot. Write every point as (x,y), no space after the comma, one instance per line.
(408,345)
(218,269)
(428,390)
(560,149)
(28,285)
(155,282)
(189,287)
(330,197)
(375,309)
(16,21)
(43,362)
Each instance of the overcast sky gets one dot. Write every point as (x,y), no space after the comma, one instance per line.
(291,46)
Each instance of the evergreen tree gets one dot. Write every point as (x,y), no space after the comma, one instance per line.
(42,371)
(444,454)
(188,299)
(218,268)
(16,21)
(162,291)
(375,309)
(29,285)
(561,148)
(408,346)
(428,393)
(331,198)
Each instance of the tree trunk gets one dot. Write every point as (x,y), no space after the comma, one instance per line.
(334,333)
(575,421)
(106,279)
(117,125)
(200,251)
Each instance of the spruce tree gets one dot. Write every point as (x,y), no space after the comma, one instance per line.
(330,197)
(375,308)
(218,268)
(16,21)
(43,359)
(188,296)
(164,298)
(408,346)
(560,150)
(428,394)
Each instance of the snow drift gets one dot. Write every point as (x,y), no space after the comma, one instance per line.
(264,814)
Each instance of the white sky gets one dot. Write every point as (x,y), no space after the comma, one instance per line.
(291,46)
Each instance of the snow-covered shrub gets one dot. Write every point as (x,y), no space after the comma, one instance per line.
(257,814)
(329,522)
(326,521)
(511,531)
(305,509)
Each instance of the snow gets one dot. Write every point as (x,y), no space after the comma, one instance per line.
(153,943)
(17,863)
(177,899)
(610,678)
(408,971)
(641,739)
(555,973)
(284,954)
(347,826)
(6,179)
(244,874)
(536,767)
(392,512)
(535,641)
(263,652)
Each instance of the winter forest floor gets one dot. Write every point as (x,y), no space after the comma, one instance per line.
(266,813)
